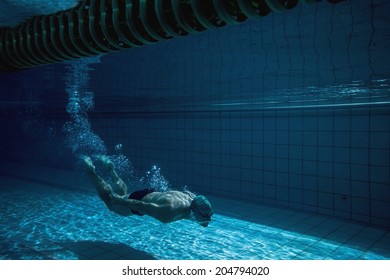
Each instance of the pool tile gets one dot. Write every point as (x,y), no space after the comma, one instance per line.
(345,253)
(93,252)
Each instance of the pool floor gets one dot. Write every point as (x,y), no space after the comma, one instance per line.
(42,220)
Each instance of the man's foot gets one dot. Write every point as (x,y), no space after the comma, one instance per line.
(106,161)
(88,162)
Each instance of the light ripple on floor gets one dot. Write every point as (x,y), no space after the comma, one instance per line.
(39,222)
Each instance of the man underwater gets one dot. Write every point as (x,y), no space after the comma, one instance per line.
(167,207)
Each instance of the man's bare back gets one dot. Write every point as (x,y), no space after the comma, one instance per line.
(166,206)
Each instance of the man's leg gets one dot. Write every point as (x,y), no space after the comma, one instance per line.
(121,186)
(103,189)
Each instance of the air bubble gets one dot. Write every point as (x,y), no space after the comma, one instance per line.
(155,180)
(118,147)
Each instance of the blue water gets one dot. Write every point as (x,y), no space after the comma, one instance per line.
(49,213)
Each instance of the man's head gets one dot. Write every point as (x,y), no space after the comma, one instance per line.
(201,210)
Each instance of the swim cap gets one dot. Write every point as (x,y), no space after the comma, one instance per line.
(201,209)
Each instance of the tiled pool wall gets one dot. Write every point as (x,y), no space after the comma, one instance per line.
(334,162)
(331,160)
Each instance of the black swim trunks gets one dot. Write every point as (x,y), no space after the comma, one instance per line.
(139,195)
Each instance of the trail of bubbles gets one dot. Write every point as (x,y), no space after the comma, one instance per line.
(155,180)
(81,139)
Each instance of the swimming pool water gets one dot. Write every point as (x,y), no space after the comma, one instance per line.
(328,61)
(41,220)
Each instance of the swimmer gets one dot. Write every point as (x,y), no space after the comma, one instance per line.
(167,207)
